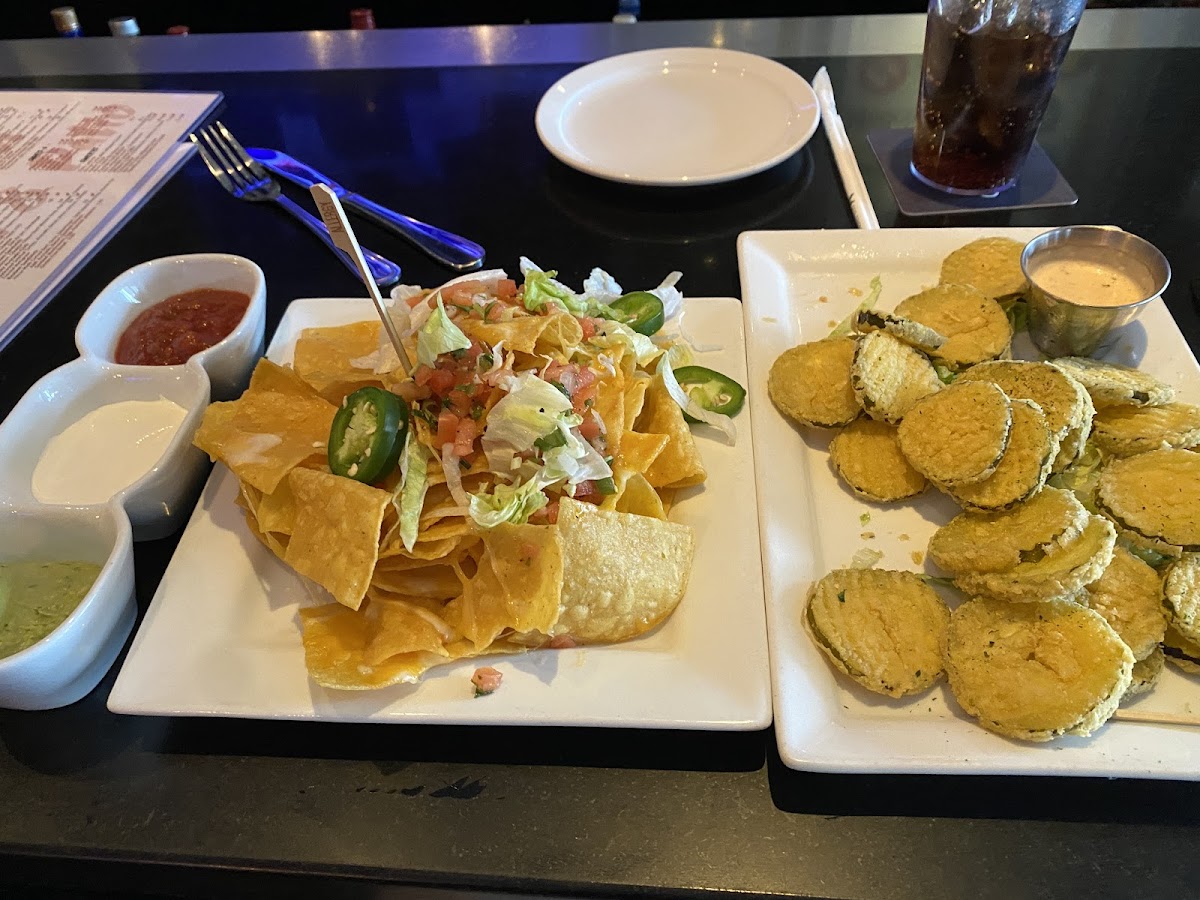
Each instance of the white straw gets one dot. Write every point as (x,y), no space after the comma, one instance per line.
(843,154)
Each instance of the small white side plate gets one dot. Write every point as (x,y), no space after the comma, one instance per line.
(796,285)
(677,116)
(221,637)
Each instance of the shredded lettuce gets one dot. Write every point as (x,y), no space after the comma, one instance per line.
(414,483)
(574,460)
(945,374)
(439,335)
(531,410)
(869,301)
(613,334)
(507,503)
(1082,477)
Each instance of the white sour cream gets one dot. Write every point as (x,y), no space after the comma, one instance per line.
(106,451)
(1093,277)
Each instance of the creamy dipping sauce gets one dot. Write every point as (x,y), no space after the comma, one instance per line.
(106,451)
(1093,277)
(37,597)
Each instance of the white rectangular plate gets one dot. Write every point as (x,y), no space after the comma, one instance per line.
(796,286)
(222,638)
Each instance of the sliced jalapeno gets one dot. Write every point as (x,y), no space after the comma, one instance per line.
(367,435)
(640,310)
(715,392)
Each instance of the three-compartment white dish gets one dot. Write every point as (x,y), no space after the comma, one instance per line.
(66,664)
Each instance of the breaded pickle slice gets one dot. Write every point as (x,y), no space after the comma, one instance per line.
(889,376)
(1156,494)
(975,325)
(1055,392)
(866,454)
(1128,430)
(959,434)
(1183,653)
(992,265)
(1181,593)
(996,542)
(884,629)
(909,331)
(1146,673)
(810,384)
(1036,671)
(1113,385)
(1022,471)
(1129,596)
(1062,571)
(1072,447)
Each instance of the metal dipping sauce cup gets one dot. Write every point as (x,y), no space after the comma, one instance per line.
(1062,327)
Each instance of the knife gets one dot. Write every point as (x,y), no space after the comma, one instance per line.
(449,249)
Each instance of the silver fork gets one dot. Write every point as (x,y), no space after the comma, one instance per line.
(243,176)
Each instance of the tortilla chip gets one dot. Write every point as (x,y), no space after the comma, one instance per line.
(276,543)
(622,574)
(679,463)
(517,585)
(635,399)
(269,376)
(338,360)
(639,451)
(338,643)
(610,404)
(637,497)
(433,582)
(519,334)
(263,435)
(277,510)
(335,538)
(563,333)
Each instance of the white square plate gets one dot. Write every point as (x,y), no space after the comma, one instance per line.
(221,637)
(796,286)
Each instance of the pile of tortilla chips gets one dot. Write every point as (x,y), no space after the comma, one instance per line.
(598,574)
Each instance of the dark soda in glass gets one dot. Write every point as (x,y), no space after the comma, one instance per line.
(987,75)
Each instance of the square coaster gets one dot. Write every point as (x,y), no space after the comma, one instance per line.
(1039,185)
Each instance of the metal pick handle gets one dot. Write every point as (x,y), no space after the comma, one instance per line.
(335,220)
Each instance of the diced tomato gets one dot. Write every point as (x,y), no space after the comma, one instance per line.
(441,381)
(493,312)
(562,642)
(584,398)
(589,327)
(421,375)
(506,289)
(411,392)
(554,371)
(585,490)
(415,300)
(460,402)
(486,679)
(589,429)
(464,437)
(447,428)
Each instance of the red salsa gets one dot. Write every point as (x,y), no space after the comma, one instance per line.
(171,332)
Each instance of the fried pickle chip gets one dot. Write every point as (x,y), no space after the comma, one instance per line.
(866,454)
(997,542)
(1036,671)
(1146,673)
(1128,430)
(1023,469)
(1071,448)
(1061,398)
(1062,571)
(263,435)
(889,376)
(1181,592)
(1113,385)
(883,629)
(909,331)
(1129,596)
(679,464)
(622,574)
(335,539)
(975,326)
(517,586)
(991,265)
(959,434)
(810,384)
(1156,494)
(338,644)
(1181,652)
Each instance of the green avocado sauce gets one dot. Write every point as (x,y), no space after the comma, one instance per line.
(36,597)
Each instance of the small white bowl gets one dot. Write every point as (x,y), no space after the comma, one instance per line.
(69,662)
(155,503)
(227,362)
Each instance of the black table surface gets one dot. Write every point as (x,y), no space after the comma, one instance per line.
(93,800)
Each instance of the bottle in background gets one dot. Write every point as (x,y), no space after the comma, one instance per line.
(124,26)
(627,12)
(66,23)
(179,29)
(362,19)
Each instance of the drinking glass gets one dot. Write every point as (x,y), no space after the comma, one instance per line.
(986,78)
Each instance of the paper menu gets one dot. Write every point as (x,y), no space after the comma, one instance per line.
(73,166)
